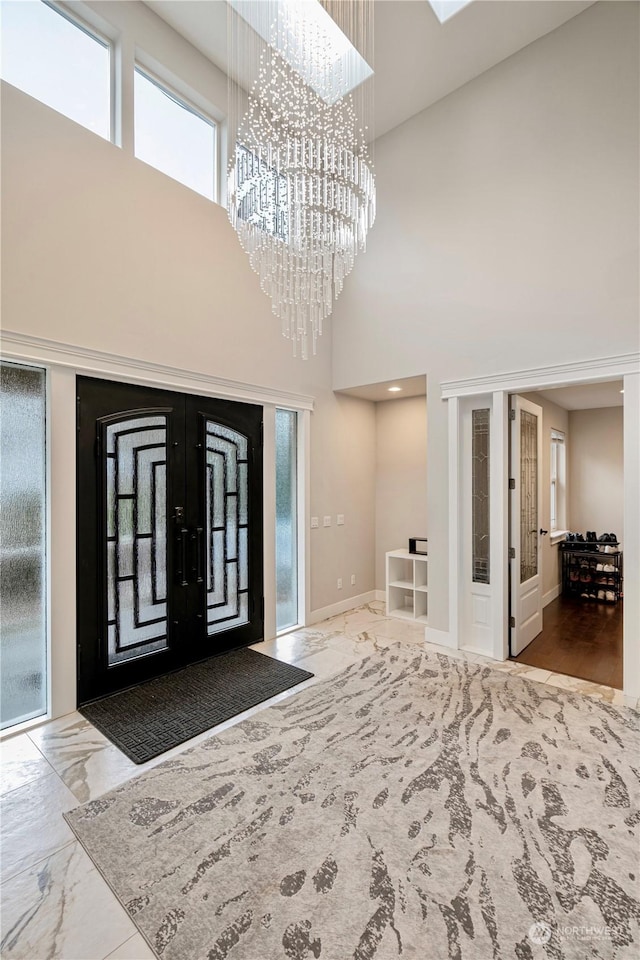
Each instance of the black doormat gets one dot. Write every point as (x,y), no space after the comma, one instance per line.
(155,716)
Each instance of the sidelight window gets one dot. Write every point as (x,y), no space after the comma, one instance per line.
(286,519)
(23,578)
(480,495)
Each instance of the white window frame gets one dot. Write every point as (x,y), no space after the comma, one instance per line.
(98,29)
(190,101)
(557,485)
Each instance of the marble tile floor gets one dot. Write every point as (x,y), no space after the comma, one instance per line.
(55,904)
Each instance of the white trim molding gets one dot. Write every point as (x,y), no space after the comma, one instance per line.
(134,370)
(343,606)
(442,638)
(626,366)
(551,595)
(558,375)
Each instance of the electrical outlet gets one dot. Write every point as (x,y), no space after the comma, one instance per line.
(339,583)
(340,519)
(353,579)
(314,523)
(326,522)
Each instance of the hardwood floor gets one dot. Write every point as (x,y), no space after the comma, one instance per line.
(579,638)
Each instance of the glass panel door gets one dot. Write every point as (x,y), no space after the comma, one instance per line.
(227,528)
(23,626)
(528,495)
(480,495)
(525,452)
(136,536)
(169,531)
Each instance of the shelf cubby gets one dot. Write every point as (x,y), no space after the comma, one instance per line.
(407,585)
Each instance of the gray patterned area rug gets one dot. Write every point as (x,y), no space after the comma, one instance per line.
(413,806)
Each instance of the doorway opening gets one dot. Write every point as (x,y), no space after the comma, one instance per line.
(169,531)
(571,536)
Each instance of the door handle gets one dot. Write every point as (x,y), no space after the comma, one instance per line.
(543,533)
(181,556)
(196,539)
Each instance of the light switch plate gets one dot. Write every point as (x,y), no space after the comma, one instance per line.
(340,519)
(314,523)
(326,522)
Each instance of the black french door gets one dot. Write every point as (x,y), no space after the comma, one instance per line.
(169,531)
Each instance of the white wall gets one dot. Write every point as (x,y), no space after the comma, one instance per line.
(553,418)
(101,251)
(596,470)
(507,233)
(401,476)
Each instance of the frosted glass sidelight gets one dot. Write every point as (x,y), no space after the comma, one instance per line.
(226,484)
(528,495)
(23,626)
(286,520)
(480,503)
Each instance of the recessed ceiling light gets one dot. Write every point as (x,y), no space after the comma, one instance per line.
(394,389)
(622,391)
(444,9)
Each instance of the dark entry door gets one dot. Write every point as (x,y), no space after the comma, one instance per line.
(169,531)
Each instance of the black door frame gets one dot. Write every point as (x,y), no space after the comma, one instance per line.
(186,604)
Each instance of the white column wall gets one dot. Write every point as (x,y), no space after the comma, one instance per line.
(62,548)
(631,610)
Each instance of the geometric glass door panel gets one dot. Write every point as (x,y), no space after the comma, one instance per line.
(135,451)
(169,531)
(227,528)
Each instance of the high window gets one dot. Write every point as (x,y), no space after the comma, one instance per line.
(172,136)
(558,497)
(286,520)
(59,61)
(23,626)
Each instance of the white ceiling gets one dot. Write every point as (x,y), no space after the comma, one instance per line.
(417,59)
(410,387)
(587,396)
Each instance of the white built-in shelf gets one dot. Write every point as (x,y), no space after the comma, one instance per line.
(407,585)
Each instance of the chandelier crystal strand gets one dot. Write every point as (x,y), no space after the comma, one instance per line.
(300,186)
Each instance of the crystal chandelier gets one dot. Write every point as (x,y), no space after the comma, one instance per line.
(301,189)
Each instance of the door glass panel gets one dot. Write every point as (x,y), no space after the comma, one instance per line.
(226,482)
(528,495)
(23,634)
(286,517)
(480,494)
(136,537)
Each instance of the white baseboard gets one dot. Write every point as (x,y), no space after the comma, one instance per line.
(323,613)
(381,595)
(479,650)
(442,637)
(551,595)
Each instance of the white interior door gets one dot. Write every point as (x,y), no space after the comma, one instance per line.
(525,537)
